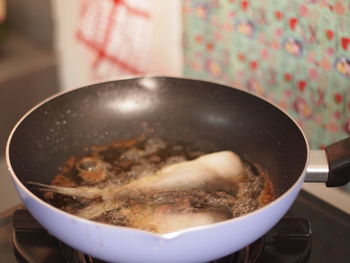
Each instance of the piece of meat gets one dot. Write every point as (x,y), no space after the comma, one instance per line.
(160,222)
(220,171)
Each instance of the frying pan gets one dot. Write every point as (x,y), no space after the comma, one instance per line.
(175,109)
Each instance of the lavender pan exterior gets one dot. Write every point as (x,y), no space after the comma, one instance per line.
(174,108)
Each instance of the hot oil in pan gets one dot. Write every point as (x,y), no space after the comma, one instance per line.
(92,181)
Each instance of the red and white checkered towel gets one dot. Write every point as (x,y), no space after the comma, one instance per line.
(117,35)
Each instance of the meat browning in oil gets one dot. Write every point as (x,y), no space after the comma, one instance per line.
(155,186)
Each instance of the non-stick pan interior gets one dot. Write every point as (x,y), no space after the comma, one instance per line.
(211,116)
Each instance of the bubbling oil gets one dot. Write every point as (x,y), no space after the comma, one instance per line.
(122,162)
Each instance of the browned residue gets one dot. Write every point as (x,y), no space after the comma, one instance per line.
(127,143)
(268,193)
(62,180)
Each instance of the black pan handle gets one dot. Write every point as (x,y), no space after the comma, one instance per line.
(338,155)
(331,166)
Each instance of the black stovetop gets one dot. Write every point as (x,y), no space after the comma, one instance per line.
(312,231)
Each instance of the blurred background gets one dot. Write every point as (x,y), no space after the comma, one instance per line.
(294,54)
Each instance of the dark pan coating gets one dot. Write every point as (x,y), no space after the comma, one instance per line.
(212,116)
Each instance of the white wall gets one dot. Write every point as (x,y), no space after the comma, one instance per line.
(74,65)
(167,47)
(74,70)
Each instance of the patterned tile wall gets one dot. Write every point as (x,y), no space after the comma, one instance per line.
(295,53)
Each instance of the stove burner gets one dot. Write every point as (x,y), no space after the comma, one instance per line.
(288,241)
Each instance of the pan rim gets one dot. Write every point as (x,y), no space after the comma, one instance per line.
(166,236)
